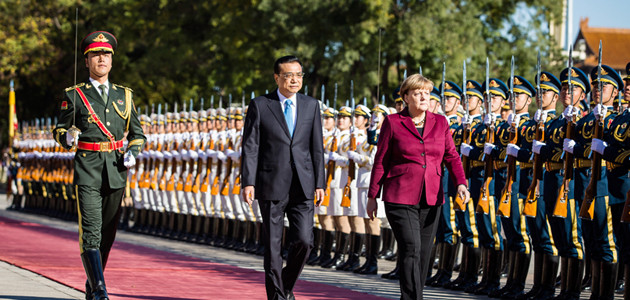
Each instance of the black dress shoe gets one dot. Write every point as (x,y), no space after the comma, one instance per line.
(289,295)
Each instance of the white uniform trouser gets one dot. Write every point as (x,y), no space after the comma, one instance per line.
(146,203)
(235,200)
(380,210)
(181,202)
(334,205)
(138,202)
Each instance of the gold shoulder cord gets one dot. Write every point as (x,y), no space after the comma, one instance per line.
(128,103)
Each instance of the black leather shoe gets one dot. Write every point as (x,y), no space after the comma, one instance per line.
(289,295)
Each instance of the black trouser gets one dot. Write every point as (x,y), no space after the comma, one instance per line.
(300,212)
(414,227)
(99,212)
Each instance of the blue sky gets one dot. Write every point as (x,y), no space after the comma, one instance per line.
(601,13)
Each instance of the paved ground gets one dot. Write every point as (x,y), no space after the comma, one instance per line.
(16,283)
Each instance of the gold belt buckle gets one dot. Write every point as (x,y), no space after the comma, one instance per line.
(105,146)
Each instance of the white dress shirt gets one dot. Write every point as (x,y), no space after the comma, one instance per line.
(96,85)
(283,102)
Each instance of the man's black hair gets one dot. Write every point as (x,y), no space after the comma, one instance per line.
(284,60)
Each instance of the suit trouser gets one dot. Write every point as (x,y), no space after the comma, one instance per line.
(299,211)
(99,213)
(414,228)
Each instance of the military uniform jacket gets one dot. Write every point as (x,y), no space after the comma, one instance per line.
(555,132)
(119,115)
(618,155)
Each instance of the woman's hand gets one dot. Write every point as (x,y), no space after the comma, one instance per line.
(371,208)
(462,191)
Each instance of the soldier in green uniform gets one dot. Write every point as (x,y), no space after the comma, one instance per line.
(102,112)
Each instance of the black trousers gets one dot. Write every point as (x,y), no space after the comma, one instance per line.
(414,228)
(299,211)
(99,213)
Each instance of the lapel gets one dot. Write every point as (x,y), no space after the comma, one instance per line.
(276,109)
(405,118)
(429,123)
(92,94)
(300,106)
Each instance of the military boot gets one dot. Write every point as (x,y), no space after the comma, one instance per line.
(596,268)
(371,259)
(548,280)
(354,261)
(483,258)
(521,268)
(607,280)
(511,263)
(462,270)
(340,253)
(447,261)
(325,253)
(575,270)
(493,267)
(388,244)
(538,269)
(626,280)
(91,259)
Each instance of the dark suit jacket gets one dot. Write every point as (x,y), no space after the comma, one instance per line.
(118,115)
(406,163)
(268,151)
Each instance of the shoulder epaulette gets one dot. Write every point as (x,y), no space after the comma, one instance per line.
(76,86)
(123,87)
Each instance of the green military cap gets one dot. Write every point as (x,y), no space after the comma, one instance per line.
(99,41)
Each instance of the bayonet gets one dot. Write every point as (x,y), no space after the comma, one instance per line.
(324,93)
(306,90)
(599,74)
(211,101)
(191,105)
(405,74)
(382,99)
(465,89)
(335,97)
(352,91)
(365,101)
(202,100)
(420,70)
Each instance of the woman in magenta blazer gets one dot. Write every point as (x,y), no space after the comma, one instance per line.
(412,147)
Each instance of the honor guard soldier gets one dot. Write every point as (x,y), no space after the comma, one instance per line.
(537,215)
(599,222)
(446,237)
(364,157)
(94,116)
(482,183)
(516,140)
(466,221)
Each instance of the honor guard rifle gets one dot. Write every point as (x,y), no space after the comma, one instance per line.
(505,202)
(442,99)
(459,202)
(533,192)
(330,168)
(588,204)
(562,201)
(347,190)
(216,185)
(483,206)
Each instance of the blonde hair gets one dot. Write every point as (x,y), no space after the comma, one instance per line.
(415,82)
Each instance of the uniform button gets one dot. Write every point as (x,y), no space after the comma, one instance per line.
(424,166)
(107,110)
(83,154)
(422,154)
(421,142)
(107,123)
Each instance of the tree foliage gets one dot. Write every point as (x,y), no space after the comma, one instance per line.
(174,50)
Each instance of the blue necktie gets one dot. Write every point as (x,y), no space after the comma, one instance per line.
(288,115)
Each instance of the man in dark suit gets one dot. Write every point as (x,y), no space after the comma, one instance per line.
(283,167)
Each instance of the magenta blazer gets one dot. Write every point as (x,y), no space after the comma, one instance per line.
(406,163)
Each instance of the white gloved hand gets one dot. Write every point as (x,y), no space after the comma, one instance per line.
(212,154)
(159,155)
(568,145)
(568,112)
(339,159)
(70,139)
(168,155)
(354,156)
(130,161)
(221,156)
(536,146)
(326,158)
(489,119)
(467,119)
(598,146)
(513,119)
(234,155)
(487,148)
(202,154)
(193,155)
(229,152)
(512,150)
(540,115)
(600,111)
(465,149)
(373,122)
(185,135)
(184,154)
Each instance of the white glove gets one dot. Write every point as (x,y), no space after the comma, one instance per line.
(185,135)
(489,119)
(467,119)
(229,152)
(536,146)
(513,119)
(202,154)
(326,158)
(512,150)
(487,148)
(221,156)
(168,155)
(373,122)
(234,155)
(70,139)
(598,145)
(212,154)
(600,111)
(184,154)
(159,155)
(354,156)
(465,149)
(130,161)
(568,145)
(540,115)
(193,155)
(568,112)
(339,159)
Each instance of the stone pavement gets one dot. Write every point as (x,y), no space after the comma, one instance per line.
(21,284)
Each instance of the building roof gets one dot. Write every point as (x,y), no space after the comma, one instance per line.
(615,44)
